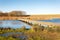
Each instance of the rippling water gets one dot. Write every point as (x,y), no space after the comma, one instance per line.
(13,24)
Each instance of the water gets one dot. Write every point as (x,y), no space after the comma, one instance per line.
(21,35)
(13,24)
(10,33)
(52,20)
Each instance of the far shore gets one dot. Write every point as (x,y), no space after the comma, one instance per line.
(32,17)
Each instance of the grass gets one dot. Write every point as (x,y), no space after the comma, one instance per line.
(37,32)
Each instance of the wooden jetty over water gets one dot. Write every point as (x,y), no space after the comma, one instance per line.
(30,22)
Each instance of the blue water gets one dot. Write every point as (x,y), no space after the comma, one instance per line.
(21,35)
(19,24)
(13,24)
(51,20)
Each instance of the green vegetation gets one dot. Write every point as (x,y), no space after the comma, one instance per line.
(36,32)
(8,38)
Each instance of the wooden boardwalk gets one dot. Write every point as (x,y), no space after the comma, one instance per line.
(32,22)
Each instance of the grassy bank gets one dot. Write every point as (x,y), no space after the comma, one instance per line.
(36,32)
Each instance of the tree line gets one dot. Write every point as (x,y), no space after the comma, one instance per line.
(14,13)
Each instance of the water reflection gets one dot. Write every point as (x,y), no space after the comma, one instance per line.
(13,24)
(15,35)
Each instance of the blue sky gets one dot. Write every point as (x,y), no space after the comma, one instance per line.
(32,7)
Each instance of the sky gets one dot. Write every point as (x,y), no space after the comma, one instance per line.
(32,7)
